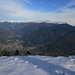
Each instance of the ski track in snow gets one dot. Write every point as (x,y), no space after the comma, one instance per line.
(37,65)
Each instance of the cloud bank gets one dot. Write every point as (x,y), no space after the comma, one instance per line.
(17,10)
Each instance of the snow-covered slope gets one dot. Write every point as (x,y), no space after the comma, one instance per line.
(37,65)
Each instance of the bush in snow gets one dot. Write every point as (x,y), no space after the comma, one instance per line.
(5,53)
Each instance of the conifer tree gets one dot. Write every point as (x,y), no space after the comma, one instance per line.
(28,53)
(17,52)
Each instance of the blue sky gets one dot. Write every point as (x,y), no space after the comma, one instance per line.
(47,5)
(36,10)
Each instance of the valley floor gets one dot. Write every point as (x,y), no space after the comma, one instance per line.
(37,65)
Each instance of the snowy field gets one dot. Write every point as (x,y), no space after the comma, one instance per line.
(37,65)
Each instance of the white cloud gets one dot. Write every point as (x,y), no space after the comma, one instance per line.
(27,1)
(13,9)
(72,3)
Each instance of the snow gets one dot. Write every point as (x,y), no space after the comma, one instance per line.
(37,65)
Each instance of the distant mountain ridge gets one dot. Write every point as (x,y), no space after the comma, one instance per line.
(39,38)
(48,33)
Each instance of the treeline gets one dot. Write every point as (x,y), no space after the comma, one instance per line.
(44,53)
(16,53)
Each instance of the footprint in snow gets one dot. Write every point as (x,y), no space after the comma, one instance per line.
(26,61)
(59,72)
(36,66)
(16,58)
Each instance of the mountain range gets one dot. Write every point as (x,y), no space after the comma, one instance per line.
(39,38)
